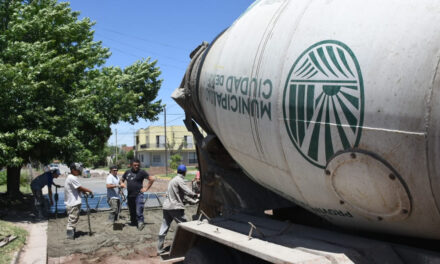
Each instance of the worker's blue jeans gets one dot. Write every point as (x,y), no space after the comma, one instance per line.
(136,208)
(39,202)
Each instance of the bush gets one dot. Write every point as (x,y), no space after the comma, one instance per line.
(3,178)
(24,177)
(24,181)
(130,155)
(176,159)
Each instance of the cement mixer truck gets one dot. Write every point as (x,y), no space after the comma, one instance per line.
(322,142)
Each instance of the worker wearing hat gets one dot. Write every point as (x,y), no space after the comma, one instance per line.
(72,199)
(173,205)
(114,185)
(37,185)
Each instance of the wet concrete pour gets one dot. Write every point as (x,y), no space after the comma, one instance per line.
(107,245)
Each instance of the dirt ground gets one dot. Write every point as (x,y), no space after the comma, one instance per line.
(107,245)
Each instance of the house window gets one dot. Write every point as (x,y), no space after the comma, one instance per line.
(156,158)
(160,141)
(137,140)
(142,158)
(188,141)
(192,157)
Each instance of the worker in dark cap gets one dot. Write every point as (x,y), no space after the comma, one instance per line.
(114,185)
(37,185)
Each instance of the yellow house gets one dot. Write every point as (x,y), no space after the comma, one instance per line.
(150,145)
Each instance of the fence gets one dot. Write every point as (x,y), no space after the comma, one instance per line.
(99,202)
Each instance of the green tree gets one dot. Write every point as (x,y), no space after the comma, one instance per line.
(102,157)
(58,101)
(130,155)
(176,159)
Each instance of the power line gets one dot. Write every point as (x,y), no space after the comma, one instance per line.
(173,105)
(137,130)
(174,120)
(126,53)
(137,57)
(141,49)
(143,39)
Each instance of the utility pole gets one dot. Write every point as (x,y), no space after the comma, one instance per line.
(134,144)
(116,143)
(166,148)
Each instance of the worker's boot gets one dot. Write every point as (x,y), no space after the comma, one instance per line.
(70,234)
(160,248)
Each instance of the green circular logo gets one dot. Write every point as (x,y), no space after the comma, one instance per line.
(323,101)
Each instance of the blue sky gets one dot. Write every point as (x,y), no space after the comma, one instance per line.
(166,31)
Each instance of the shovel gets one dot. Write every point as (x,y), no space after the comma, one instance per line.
(56,200)
(116,225)
(86,195)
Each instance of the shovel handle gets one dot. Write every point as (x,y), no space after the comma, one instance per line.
(87,195)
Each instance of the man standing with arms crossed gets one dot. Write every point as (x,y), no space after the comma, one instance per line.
(72,188)
(113,185)
(135,192)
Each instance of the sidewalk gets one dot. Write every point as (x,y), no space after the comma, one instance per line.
(35,249)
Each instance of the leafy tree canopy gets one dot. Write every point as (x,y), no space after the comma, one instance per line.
(176,159)
(130,155)
(57,98)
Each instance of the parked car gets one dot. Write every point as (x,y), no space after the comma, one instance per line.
(53,166)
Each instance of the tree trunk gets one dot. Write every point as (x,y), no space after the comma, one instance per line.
(13,182)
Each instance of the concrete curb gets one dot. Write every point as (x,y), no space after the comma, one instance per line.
(16,256)
(35,249)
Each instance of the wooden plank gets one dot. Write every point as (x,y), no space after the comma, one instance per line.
(173,260)
(7,240)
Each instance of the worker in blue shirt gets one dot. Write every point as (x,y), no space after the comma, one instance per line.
(38,184)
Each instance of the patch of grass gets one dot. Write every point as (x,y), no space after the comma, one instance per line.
(25,187)
(7,252)
(191,168)
(188,177)
(101,168)
(164,176)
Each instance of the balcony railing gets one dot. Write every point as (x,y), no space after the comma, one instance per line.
(162,145)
